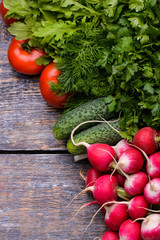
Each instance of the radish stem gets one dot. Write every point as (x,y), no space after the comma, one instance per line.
(82,175)
(83,206)
(73,131)
(83,191)
(111,125)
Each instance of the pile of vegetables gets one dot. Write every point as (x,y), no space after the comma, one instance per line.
(125,183)
(100,61)
(102,49)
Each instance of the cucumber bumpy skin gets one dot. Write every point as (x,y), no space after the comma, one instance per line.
(101,133)
(91,110)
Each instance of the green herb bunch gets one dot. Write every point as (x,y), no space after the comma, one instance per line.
(103,48)
(48,23)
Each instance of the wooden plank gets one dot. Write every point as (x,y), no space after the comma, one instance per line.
(26,120)
(5,37)
(34,192)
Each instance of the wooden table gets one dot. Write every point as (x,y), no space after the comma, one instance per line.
(38,177)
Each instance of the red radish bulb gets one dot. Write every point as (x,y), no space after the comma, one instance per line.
(150,229)
(131,161)
(153,165)
(101,156)
(120,178)
(137,207)
(135,183)
(130,230)
(115,215)
(91,176)
(147,139)
(110,235)
(121,146)
(105,189)
(152,191)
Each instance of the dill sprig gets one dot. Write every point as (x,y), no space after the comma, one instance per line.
(79,63)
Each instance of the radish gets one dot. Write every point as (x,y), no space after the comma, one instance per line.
(91,176)
(135,183)
(100,155)
(152,191)
(110,235)
(153,165)
(131,161)
(115,215)
(105,189)
(138,207)
(130,230)
(120,178)
(121,146)
(147,139)
(150,229)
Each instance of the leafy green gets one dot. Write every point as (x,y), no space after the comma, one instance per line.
(79,59)
(48,23)
(120,61)
(103,48)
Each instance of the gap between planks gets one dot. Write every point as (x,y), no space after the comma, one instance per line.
(34,151)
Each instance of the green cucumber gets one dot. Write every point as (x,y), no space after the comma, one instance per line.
(92,110)
(101,133)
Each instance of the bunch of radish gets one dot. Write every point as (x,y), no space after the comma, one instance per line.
(125,183)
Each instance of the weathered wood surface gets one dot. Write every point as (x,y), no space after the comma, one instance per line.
(26,120)
(34,192)
(35,188)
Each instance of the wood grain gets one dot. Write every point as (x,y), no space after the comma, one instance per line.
(26,120)
(34,193)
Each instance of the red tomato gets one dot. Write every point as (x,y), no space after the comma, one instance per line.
(3,12)
(23,61)
(50,74)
